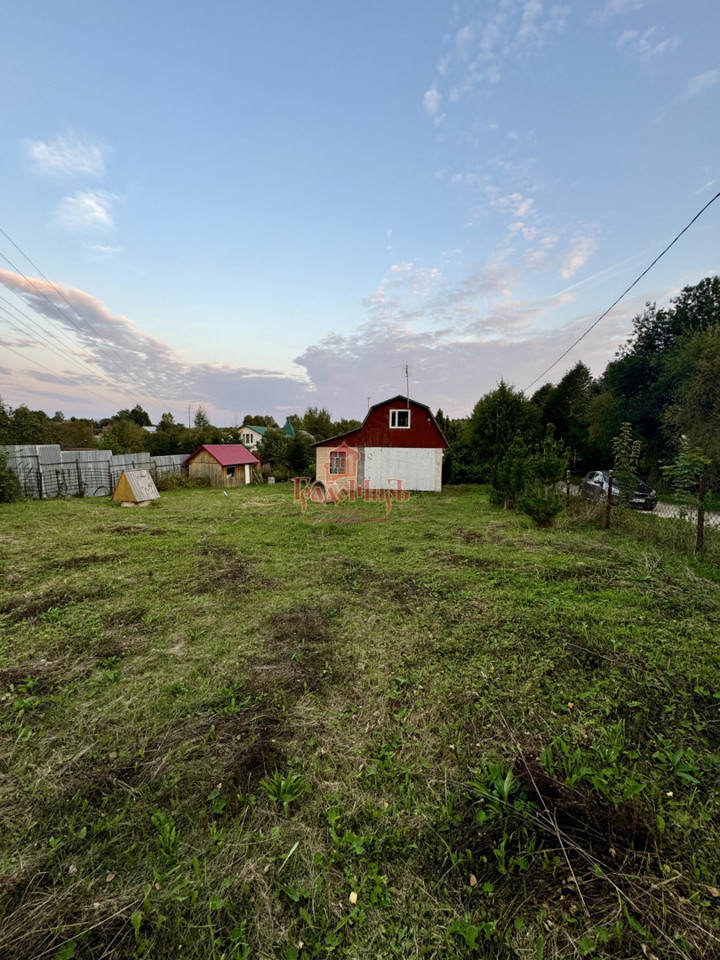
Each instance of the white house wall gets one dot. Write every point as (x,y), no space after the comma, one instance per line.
(419,468)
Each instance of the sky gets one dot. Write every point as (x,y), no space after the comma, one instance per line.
(259,207)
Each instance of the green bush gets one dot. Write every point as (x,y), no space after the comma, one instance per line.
(541,503)
(176,481)
(10,488)
(526,477)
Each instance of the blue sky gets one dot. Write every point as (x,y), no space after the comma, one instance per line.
(263,206)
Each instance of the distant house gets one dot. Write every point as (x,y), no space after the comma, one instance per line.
(252,433)
(399,440)
(226,464)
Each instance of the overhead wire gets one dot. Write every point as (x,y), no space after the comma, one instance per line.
(37,330)
(117,361)
(624,293)
(36,363)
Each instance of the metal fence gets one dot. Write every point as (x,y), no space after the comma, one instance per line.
(689,510)
(46,472)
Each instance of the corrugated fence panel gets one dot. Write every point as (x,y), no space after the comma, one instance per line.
(23,461)
(45,471)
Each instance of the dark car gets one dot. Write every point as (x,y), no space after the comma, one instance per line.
(594,486)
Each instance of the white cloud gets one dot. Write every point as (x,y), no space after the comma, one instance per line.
(431,102)
(582,249)
(514,204)
(143,365)
(86,211)
(646,46)
(69,154)
(618,8)
(502,31)
(703,81)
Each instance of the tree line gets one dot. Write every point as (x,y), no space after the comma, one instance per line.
(127,432)
(664,382)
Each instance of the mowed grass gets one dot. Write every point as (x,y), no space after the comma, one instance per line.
(231,730)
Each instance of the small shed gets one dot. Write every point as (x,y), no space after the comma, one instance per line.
(135,488)
(225,464)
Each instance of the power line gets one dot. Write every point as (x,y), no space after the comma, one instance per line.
(43,367)
(16,316)
(117,361)
(623,294)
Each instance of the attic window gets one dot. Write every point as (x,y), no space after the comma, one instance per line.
(400,419)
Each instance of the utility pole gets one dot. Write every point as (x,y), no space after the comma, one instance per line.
(189,424)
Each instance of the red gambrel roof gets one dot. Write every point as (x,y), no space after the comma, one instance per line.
(376,431)
(226,454)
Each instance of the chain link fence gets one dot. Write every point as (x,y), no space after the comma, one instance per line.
(686,517)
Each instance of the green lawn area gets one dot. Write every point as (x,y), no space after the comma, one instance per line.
(231,730)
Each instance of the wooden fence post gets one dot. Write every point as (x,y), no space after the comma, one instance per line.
(700,532)
(608,504)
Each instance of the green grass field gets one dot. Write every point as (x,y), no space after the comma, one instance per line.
(230,730)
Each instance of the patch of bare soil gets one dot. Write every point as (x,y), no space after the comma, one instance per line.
(89,559)
(46,673)
(128,529)
(297,655)
(471,536)
(460,559)
(238,750)
(29,606)
(122,631)
(579,814)
(222,568)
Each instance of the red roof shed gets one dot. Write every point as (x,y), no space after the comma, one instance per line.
(226,454)
(223,464)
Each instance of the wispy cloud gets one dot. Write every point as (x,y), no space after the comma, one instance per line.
(618,8)
(582,249)
(453,373)
(646,46)
(86,211)
(431,102)
(701,82)
(104,250)
(145,366)
(69,154)
(478,50)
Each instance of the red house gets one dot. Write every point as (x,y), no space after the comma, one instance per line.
(399,440)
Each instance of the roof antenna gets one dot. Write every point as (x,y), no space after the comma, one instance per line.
(407,384)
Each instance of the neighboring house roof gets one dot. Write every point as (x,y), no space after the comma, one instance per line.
(375,430)
(226,454)
(288,428)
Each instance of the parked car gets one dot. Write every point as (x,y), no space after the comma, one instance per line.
(594,486)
